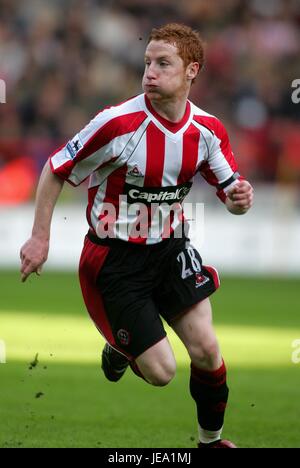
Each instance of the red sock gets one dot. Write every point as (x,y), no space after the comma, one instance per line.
(210,392)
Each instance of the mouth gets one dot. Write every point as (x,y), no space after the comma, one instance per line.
(149,87)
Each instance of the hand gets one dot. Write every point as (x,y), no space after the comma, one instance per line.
(240,198)
(33,255)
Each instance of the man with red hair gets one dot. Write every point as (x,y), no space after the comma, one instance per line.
(142,157)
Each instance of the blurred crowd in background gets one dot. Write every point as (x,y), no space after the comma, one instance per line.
(62,61)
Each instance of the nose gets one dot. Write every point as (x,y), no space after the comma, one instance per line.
(150,72)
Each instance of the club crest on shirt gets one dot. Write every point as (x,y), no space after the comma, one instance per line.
(74,146)
(135,172)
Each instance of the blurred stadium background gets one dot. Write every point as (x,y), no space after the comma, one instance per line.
(61,62)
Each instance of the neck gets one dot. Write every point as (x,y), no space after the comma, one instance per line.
(169,109)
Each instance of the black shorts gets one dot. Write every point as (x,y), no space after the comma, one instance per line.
(128,288)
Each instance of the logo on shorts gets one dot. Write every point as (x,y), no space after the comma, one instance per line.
(123,336)
(201,280)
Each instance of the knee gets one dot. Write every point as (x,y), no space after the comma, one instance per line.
(157,364)
(160,374)
(205,354)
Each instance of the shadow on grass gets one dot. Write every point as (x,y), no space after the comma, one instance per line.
(70,405)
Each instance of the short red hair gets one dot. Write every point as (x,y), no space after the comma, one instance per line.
(188,42)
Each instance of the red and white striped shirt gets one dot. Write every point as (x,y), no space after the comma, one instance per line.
(133,155)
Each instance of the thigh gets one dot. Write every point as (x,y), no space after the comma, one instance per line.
(186,283)
(194,325)
(194,328)
(125,284)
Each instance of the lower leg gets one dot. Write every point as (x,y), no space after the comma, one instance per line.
(210,392)
(114,364)
(208,373)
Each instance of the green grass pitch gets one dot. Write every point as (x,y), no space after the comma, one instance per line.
(65,401)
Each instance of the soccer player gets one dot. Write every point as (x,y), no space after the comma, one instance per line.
(141,157)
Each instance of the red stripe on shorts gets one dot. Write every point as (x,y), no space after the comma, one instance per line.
(91,262)
(214,274)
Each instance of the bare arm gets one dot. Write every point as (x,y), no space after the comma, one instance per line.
(35,251)
(240,198)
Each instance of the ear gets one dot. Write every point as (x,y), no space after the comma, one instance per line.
(192,70)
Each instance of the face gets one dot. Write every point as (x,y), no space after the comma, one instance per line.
(165,75)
